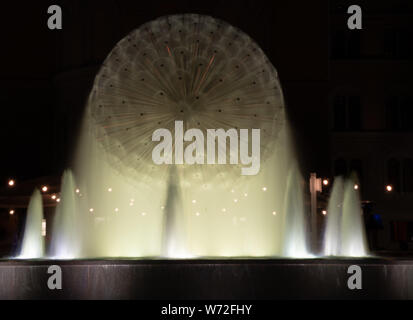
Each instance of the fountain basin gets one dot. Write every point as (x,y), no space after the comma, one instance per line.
(208,279)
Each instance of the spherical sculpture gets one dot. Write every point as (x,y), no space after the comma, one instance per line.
(188,67)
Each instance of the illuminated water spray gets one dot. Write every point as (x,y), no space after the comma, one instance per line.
(205,74)
(209,75)
(33,241)
(345,234)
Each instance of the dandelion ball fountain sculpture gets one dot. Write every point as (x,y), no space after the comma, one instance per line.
(186,67)
(204,74)
(209,75)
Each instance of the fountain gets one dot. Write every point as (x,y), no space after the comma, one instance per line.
(345,234)
(203,74)
(334,214)
(353,237)
(295,241)
(66,231)
(208,75)
(33,241)
(116,203)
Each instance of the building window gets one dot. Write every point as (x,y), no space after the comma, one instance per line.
(356,166)
(393,173)
(347,113)
(340,167)
(338,45)
(393,119)
(406,107)
(340,113)
(44,227)
(399,113)
(346,44)
(339,6)
(398,44)
(354,113)
(408,175)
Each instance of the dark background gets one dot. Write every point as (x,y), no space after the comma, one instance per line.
(45,75)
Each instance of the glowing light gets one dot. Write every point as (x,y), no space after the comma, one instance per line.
(58,200)
(325,182)
(356,187)
(162,207)
(131,204)
(144,213)
(224,210)
(91,210)
(11,212)
(11,182)
(53,197)
(116,209)
(264,189)
(324,212)
(274,213)
(77,190)
(197,214)
(194,201)
(44,227)
(389,188)
(45,188)
(110,190)
(245,194)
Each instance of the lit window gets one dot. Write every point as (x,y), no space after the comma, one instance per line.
(44,227)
